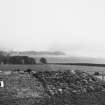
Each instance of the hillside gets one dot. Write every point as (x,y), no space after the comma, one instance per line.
(37,53)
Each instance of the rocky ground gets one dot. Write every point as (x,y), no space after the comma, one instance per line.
(69,87)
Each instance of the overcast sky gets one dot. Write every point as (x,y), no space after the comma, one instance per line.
(75,26)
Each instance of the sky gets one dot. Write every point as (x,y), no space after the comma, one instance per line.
(74,26)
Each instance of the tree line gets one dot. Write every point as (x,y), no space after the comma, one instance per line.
(7,59)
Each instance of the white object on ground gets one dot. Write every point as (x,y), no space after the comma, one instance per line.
(73,71)
(1,84)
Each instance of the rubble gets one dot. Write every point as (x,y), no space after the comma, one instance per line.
(76,81)
(69,87)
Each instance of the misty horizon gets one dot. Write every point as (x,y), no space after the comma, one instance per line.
(75,27)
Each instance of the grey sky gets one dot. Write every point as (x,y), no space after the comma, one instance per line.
(75,26)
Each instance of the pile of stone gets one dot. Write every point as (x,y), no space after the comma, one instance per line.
(59,82)
(51,83)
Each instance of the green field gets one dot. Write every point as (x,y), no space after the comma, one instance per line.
(51,67)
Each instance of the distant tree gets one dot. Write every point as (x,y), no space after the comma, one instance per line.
(2,57)
(43,60)
(21,60)
(33,61)
(6,60)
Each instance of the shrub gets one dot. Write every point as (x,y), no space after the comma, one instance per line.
(43,60)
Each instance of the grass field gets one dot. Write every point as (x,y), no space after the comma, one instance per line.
(50,67)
